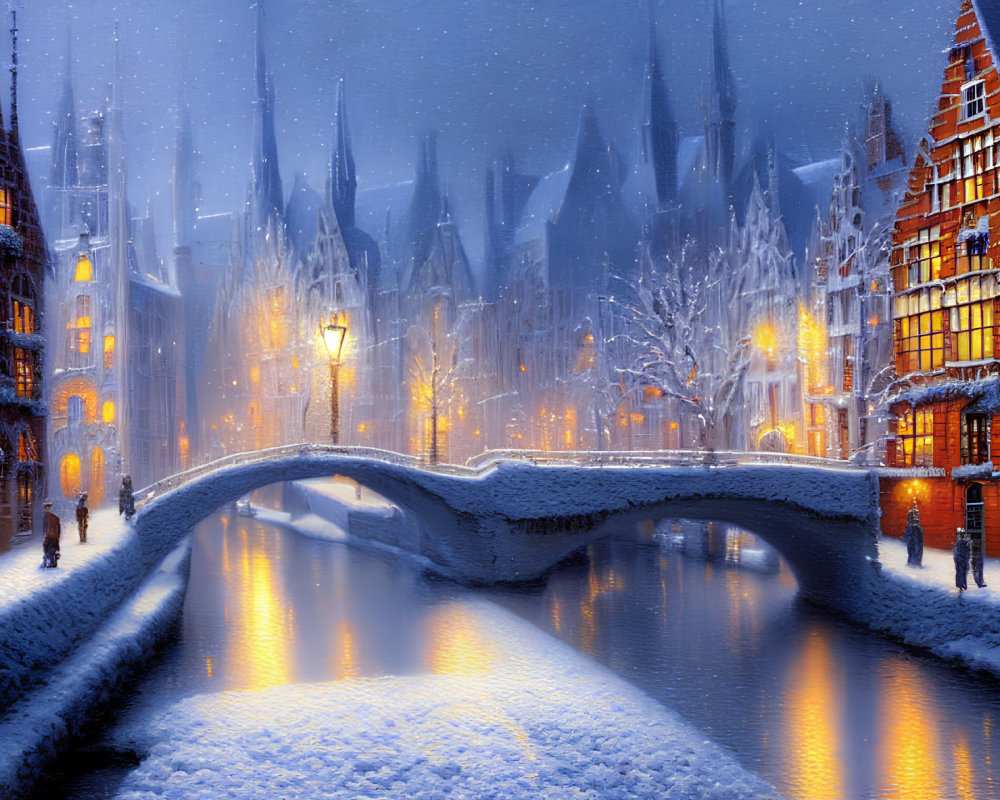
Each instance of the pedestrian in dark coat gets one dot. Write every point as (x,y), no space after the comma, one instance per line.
(126,500)
(53,532)
(977,562)
(913,536)
(82,516)
(961,552)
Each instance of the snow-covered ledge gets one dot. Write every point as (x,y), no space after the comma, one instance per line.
(973,472)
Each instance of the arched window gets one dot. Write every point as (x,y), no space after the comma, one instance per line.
(84,269)
(974,508)
(69,474)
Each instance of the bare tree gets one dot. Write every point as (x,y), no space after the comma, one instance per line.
(682,341)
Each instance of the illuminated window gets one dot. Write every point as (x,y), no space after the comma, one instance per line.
(84,269)
(974,162)
(26,447)
(971,319)
(24,373)
(975,255)
(5,215)
(925,258)
(108,411)
(975,438)
(915,437)
(109,351)
(81,343)
(920,331)
(974,99)
(23,297)
(69,474)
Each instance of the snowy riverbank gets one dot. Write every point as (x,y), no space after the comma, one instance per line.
(66,693)
(509,714)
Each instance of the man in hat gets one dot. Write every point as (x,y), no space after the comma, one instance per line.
(53,531)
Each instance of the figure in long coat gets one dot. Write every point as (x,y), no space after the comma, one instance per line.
(977,562)
(82,516)
(913,536)
(53,532)
(126,500)
(961,552)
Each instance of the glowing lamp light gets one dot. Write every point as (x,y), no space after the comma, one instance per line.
(333,338)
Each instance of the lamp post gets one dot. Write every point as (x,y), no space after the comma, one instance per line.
(333,337)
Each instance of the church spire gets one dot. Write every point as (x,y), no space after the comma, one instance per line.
(722,113)
(267,194)
(13,75)
(64,144)
(185,189)
(659,135)
(343,176)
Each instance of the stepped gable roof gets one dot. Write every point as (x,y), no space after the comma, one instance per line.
(988,14)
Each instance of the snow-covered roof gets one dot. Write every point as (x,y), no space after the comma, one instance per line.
(988,14)
(543,205)
(985,392)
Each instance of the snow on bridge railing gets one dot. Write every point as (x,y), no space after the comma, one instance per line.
(490,458)
(272,454)
(656,458)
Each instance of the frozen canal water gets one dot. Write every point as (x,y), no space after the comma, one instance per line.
(708,626)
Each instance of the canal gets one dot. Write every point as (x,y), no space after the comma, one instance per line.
(707,622)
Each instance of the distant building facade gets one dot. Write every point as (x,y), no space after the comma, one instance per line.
(114,364)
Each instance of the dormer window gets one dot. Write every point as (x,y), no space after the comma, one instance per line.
(973,99)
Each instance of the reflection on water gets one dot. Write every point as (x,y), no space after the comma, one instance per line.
(814,726)
(818,708)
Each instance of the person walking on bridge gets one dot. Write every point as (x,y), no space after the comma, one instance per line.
(961,551)
(82,516)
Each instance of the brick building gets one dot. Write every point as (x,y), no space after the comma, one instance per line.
(945,304)
(22,273)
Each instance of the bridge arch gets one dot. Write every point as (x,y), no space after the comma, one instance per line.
(514,521)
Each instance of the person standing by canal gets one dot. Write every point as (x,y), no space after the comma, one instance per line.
(977,562)
(82,516)
(126,500)
(53,532)
(961,552)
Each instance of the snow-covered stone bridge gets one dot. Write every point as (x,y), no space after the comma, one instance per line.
(511,521)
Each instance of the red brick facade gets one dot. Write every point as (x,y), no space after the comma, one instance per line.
(946,302)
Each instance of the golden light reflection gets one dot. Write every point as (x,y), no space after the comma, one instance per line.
(909,744)
(347,666)
(814,723)
(265,631)
(455,645)
(963,770)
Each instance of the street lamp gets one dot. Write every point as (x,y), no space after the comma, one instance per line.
(333,337)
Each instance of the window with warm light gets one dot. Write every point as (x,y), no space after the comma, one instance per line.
(69,474)
(108,411)
(109,351)
(23,298)
(915,436)
(84,269)
(82,326)
(5,208)
(975,438)
(24,373)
